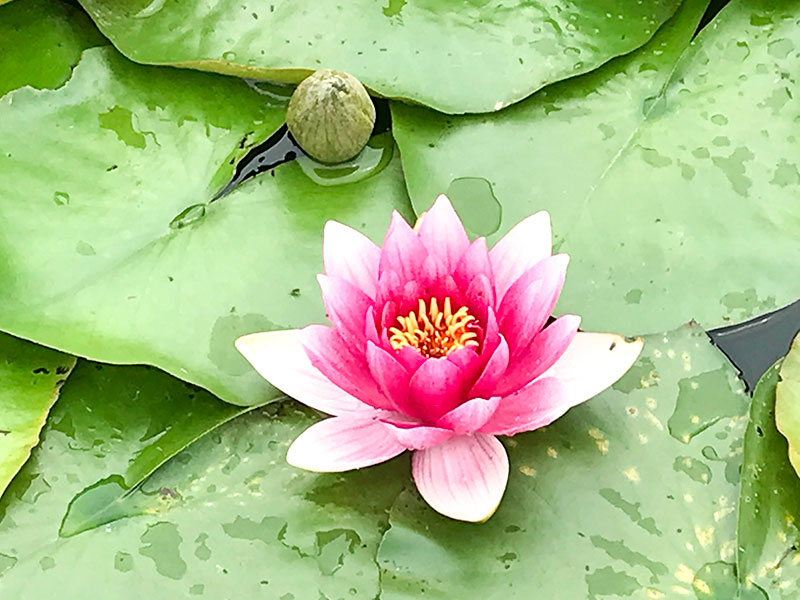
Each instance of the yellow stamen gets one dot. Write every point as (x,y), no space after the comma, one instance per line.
(434,332)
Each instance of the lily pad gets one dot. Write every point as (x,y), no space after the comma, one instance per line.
(109,247)
(632,494)
(455,56)
(226,518)
(787,406)
(59,31)
(30,380)
(670,174)
(768,554)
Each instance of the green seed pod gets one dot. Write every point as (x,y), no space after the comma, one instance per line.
(331,116)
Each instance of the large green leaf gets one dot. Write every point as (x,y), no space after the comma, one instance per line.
(632,494)
(30,379)
(454,55)
(227,518)
(673,186)
(787,407)
(768,545)
(92,258)
(40,42)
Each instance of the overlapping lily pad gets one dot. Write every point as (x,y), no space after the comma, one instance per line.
(108,249)
(632,494)
(455,56)
(30,379)
(40,42)
(225,518)
(768,548)
(787,407)
(672,182)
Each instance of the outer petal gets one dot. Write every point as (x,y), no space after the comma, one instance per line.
(528,242)
(279,358)
(418,437)
(333,357)
(470,416)
(391,377)
(592,362)
(530,301)
(352,256)
(532,407)
(545,349)
(403,252)
(342,444)
(492,372)
(474,262)
(347,308)
(441,231)
(464,478)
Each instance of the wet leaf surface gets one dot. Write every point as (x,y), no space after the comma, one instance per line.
(30,380)
(225,518)
(768,555)
(788,402)
(631,494)
(670,176)
(110,250)
(457,56)
(40,42)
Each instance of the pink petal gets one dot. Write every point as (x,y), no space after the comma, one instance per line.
(351,256)
(279,358)
(463,478)
(521,248)
(470,416)
(391,377)
(492,372)
(441,231)
(418,438)
(347,308)
(592,362)
(530,301)
(479,296)
(334,358)
(532,407)
(410,358)
(543,351)
(342,444)
(475,262)
(403,252)
(435,389)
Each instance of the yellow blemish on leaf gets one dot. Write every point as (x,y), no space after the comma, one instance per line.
(695,419)
(642,438)
(694,385)
(688,498)
(704,535)
(671,353)
(657,353)
(796,558)
(686,438)
(632,474)
(727,550)
(682,591)
(782,536)
(600,440)
(722,513)
(552,452)
(528,471)
(687,361)
(684,574)
(702,587)
(654,420)
(511,443)
(652,403)
(653,594)
(690,546)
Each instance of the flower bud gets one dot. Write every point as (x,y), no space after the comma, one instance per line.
(331,116)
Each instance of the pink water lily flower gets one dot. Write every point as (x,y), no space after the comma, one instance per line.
(437,345)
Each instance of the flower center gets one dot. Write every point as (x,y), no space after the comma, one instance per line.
(434,332)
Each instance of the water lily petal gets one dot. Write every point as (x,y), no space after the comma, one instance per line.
(330,354)
(493,372)
(530,301)
(526,244)
(441,231)
(342,444)
(279,357)
(418,437)
(543,351)
(592,362)
(435,388)
(532,407)
(347,308)
(470,416)
(391,377)
(475,262)
(463,478)
(352,256)
(403,252)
